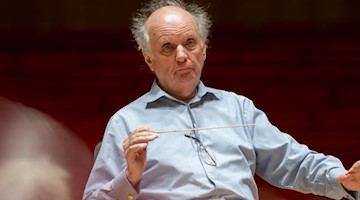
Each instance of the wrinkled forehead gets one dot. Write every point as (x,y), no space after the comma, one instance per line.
(170,16)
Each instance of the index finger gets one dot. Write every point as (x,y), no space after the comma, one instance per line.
(142,135)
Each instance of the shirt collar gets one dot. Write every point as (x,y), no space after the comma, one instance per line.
(157,93)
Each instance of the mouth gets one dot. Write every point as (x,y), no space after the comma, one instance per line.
(184,70)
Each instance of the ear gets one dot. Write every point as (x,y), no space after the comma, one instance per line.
(148,61)
(204,51)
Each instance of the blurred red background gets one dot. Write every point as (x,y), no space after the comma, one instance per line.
(299,61)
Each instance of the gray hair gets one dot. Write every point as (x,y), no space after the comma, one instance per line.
(139,19)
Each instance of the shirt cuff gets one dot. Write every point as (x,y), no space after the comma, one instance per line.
(122,188)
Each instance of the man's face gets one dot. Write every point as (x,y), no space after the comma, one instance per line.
(177,52)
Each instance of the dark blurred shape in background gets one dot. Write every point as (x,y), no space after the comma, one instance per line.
(39,158)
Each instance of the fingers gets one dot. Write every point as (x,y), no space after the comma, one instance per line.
(138,139)
(355,168)
(135,153)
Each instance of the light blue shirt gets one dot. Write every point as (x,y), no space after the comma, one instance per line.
(177,167)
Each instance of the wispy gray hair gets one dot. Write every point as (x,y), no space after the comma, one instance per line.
(139,19)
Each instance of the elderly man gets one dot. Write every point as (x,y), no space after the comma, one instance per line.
(183,140)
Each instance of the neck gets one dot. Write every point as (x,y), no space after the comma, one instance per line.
(184,98)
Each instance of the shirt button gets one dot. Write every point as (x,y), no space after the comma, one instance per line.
(130,197)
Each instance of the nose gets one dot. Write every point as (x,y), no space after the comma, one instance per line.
(181,54)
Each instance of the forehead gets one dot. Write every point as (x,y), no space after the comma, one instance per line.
(171,21)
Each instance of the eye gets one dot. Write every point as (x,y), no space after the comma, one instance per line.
(166,48)
(190,43)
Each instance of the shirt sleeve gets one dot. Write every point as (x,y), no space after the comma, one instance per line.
(107,178)
(285,163)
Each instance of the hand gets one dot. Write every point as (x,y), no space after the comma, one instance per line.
(351,179)
(135,153)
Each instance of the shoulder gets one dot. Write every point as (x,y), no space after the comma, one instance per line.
(135,105)
(226,95)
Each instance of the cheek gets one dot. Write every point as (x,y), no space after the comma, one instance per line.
(200,58)
(163,65)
